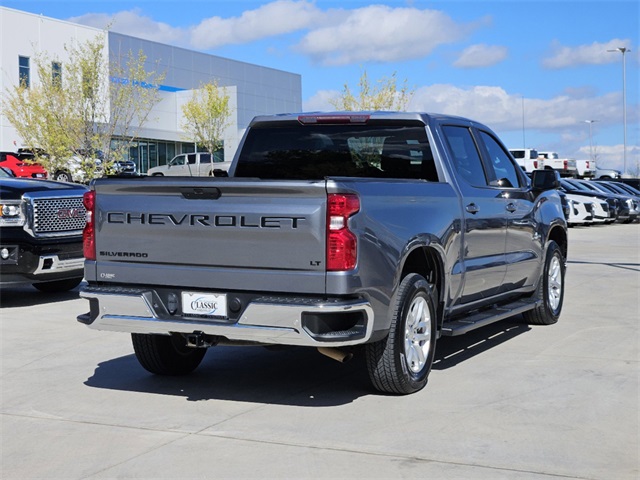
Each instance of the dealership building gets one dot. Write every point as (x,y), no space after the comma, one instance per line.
(252,89)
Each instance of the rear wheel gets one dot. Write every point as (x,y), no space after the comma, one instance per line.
(401,362)
(550,289)
(157,175)
(166,354)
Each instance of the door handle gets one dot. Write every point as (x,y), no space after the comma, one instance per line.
(511,207)
(473,208)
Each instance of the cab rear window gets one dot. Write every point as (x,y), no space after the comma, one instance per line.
(314,152)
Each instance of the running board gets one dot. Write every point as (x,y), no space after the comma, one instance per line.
(486,317)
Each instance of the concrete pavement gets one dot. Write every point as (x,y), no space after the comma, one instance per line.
(509,401)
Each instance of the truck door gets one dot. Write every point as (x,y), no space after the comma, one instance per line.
(522,251)
(178,166)
(485,226)
(204,164)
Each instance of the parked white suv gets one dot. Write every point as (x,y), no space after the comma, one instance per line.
(200,164)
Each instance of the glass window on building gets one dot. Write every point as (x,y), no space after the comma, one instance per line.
(187,147)
(153,154)
(24,71)
(56,73)
(146,153)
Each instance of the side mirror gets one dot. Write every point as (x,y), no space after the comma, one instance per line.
(547,179)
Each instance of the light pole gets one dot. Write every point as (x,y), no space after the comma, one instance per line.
(590,122)
(624,50)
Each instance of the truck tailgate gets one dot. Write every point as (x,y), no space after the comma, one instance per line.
(224,234)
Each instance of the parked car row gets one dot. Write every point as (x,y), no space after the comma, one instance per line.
(24,164)
(531,159)
(599,201)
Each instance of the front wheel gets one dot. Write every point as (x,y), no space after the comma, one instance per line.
(550,291)
(401,362)
(166,354)
(63,176)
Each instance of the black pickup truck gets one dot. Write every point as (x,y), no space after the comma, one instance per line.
(350,232)
(41,224)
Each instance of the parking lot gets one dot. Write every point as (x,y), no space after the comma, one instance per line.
(508,401)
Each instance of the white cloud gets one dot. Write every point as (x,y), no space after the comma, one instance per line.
(561,117)
(497,108)
(593,54)
(320,101)
(275,18)
(481,55)
(132,22)
(380,33)
(376,33)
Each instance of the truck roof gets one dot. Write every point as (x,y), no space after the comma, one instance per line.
(359,117)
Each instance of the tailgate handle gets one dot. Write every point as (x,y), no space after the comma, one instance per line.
(200,193)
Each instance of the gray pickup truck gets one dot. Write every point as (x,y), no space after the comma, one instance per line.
(369,233)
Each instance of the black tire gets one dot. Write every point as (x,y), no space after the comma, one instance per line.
(63,176)
(158,175)
(550,289)
(401,362)
(166,354)
(58,285)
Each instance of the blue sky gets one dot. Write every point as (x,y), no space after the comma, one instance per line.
(534,71)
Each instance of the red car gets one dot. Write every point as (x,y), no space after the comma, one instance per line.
(22,165)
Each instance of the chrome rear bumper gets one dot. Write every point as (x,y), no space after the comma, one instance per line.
(264,320)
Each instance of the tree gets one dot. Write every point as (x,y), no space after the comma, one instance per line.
(78,111)
(384,96)
(206,116)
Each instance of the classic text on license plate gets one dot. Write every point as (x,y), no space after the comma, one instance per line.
(199,303)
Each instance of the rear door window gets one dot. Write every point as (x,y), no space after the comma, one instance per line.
(466,158)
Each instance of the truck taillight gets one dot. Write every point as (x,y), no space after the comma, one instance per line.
(342,244)
(88,234)
(535,164)
(566,164)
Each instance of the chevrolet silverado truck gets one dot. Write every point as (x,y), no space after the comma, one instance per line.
(41,225)
(371,233)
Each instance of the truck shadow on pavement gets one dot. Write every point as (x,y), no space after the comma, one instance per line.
(450,351)
(287,376)
(27,296)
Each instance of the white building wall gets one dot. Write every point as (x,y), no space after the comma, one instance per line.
(253,90)
(28,35)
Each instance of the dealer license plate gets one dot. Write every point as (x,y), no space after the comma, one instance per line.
(204,304)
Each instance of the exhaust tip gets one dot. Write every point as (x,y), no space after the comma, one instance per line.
(336,354)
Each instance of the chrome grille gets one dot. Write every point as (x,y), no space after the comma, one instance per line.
(58,216)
